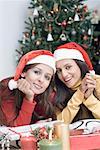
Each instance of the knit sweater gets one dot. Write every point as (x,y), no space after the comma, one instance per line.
(92,103)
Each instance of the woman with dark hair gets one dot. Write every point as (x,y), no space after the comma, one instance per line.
(25,99)
(77,86)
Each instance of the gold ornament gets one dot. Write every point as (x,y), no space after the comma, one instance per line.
(38,42)
(55,7)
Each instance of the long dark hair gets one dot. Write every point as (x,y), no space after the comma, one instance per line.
(63,93)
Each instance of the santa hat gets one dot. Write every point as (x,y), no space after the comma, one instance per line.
(38,56)
(73,51)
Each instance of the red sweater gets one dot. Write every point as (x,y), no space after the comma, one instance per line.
(8,108)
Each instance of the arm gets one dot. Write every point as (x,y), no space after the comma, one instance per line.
(8,114)
(24,116)
(97,89)
(72,108)
(93,102)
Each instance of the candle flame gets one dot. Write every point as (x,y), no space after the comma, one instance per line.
(50,135)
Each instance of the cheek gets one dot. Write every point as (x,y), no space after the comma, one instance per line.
(77,73)
(46,84)
(30,77)
(76,70)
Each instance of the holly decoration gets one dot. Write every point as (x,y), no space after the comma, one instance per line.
(41,133)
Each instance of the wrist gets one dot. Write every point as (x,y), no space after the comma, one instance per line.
(29,98)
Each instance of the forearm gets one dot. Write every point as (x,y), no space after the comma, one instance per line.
(24,116)
(93,104)
(97,89)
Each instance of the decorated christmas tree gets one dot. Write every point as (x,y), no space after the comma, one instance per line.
(54,22)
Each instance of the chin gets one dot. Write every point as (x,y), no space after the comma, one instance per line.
(69,85)
(37,92)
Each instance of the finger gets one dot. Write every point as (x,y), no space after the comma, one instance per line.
(23,85)
(89,76)
(90,84)
(88,93)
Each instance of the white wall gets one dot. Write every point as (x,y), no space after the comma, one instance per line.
(13,13)
(93,4)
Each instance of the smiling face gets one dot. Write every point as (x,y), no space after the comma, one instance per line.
(39,77)
(68,72)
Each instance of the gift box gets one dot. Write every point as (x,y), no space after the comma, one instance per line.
(85,142)
(85,135)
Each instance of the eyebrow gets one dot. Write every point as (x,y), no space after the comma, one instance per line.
(41,70)
(64,65)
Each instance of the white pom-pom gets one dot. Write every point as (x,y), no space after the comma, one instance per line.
(12,84)
(92,72)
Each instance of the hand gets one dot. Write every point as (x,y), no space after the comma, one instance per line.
(24,86)
(88,85)
(91,85)
(83,86)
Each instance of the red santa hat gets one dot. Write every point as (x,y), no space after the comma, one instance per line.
(73,51)
(38,56)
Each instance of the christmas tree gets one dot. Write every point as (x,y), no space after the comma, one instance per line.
(54,22)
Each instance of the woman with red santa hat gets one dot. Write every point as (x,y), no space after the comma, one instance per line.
(77,86)
(25,99)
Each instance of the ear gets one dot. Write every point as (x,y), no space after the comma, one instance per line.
(23,74)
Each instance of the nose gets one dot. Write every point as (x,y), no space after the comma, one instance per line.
(64,73)
(41,78)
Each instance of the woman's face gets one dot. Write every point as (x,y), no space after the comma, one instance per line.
(68,72)
(39,77)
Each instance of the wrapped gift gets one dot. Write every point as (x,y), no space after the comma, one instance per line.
(85,142)
(85,134)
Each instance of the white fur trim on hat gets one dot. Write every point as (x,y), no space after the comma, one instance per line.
(92,72)
(12,84)
(44,59)
(60,54)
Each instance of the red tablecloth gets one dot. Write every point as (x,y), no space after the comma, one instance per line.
(85,142)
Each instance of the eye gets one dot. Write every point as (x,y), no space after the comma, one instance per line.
(38,72)
(47,77)
(67,67)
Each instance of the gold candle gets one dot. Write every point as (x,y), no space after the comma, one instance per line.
(61,131)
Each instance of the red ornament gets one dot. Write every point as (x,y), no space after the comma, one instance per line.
(64,23)
(85,8)
(85,37)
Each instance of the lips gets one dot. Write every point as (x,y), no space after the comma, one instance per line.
(67,80)
(37,86)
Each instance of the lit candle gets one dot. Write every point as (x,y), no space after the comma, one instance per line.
(28,143)
(50,135)
(61,131)
(54,144)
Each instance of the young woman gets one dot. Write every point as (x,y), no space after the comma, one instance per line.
(78,89)
(25,99)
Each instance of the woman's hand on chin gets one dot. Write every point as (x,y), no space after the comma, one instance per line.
(24,86)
